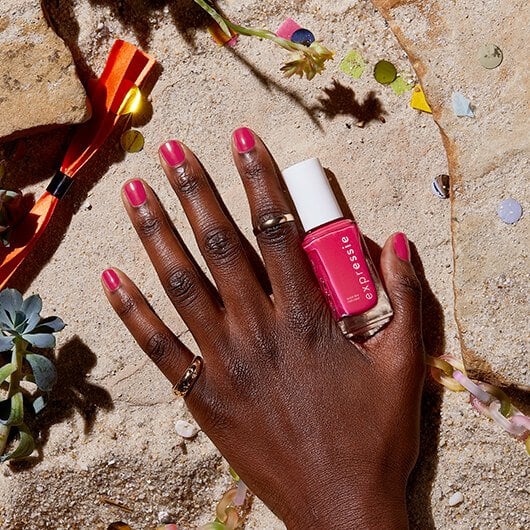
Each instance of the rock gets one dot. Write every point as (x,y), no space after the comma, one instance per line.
(39,87)
(185,429)
(455,499)
(488,161)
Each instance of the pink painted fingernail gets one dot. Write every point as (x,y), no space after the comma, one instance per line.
(244,140)
(135,193)
(401,246)
(110,279)
(172,153)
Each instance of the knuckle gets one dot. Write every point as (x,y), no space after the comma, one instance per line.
(254,169)
(305,319)
(187,181)
(409,290)
(280,235)
(222,245)
(127,307)
(180,285)
(158,346)
(148,224)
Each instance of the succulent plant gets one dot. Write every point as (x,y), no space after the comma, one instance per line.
(304,60)
(22,327)
(8,202)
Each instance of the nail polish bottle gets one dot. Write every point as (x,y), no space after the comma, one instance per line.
(337,253)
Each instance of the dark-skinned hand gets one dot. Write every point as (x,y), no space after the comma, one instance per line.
(323,430)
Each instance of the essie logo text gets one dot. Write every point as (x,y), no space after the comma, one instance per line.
(359,267)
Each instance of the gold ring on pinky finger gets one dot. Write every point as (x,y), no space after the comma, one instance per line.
(187,381)
(273,222)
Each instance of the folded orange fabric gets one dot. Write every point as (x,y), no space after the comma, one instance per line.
(127,67)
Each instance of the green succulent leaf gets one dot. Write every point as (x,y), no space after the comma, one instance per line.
(38,404)
(10,300)
(40,340)
(12,410)
(6,343)
(25,446)
(43,370)
(6,371)
(50,324)
(32,304)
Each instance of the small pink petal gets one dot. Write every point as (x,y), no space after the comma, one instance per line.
(241,494)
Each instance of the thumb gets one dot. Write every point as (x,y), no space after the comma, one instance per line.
(404,290)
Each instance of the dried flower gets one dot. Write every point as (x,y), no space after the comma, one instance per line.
(308,62)
(304,60)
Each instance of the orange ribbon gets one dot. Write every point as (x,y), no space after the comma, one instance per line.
(127,67)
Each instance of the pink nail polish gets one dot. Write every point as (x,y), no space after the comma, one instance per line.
(401,246)
(244,140)
(172,153)
(135,193)
(110,279)
(337,253)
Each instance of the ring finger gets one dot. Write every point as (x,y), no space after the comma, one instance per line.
(186,286)
(216,236)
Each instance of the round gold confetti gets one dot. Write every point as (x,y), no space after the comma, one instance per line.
(132,141)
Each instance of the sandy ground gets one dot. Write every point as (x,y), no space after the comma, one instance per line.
(109,431)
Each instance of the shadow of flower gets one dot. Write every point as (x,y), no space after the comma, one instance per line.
(339,100)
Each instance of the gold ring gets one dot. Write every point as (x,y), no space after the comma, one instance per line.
(273,222)
(186,382)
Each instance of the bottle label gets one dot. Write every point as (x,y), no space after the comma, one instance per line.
(339,263)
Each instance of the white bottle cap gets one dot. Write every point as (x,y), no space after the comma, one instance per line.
(311,193)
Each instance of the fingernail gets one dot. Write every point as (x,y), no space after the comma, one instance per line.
(110,279)
(244,140)
(135,193)
(172,153)
(401,246)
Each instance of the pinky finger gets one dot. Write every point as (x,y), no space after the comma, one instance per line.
(151,334)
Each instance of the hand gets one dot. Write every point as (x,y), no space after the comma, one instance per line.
(323,430)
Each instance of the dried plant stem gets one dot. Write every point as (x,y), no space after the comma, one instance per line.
(4,435)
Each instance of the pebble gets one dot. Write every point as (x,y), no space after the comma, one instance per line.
(185,429)
(440,186)
(164,517)
(455,499)
(510,211)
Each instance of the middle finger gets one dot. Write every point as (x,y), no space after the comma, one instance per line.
(216,236)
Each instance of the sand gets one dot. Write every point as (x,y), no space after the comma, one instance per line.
(109,430)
